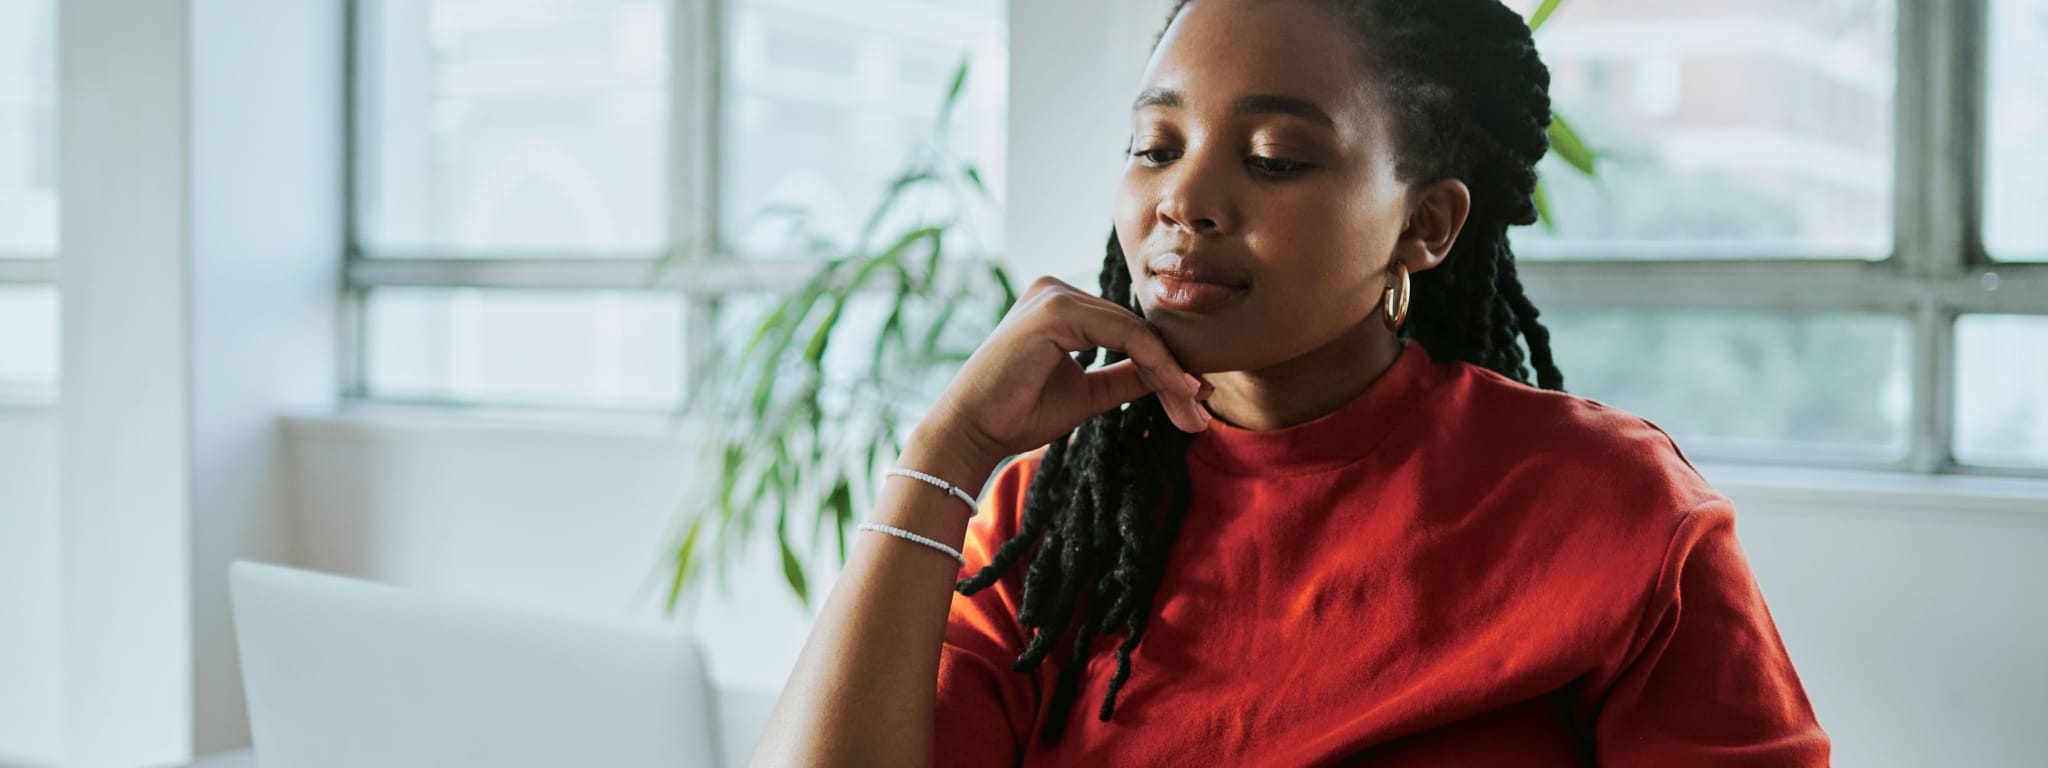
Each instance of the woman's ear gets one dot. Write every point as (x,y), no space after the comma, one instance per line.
(1436,213)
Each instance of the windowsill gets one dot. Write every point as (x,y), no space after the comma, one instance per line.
(372,420)
(28,410)
(1776,489)
(1808,491)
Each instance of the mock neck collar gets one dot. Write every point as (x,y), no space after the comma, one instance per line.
(1328,441)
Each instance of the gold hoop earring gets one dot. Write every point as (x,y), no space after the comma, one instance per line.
(1395,308)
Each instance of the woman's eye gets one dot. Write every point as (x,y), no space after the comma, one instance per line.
(1154,156)
(1274,166)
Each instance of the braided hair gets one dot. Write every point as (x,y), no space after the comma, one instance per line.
(1105,506)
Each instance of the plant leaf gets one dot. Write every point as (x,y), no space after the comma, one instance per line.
(1009,291)
(675,586)
(1543,209)
(889,197)
(792,569)
(780,321)
(1565,143)
(667,260)
(931,262)
(839,502)
(814,353)
(769,481)
(974,175)
(953,93)
(1542,14)
(892,333)
(932,334)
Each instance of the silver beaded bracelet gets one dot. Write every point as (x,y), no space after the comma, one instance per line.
(900,533)
(972,506)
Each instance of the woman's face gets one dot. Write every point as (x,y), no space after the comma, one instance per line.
(1262,168)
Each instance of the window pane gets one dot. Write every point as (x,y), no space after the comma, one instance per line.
(2001,416)
(28,128)
(504,129)
(28,346)
(1724,129)
(614,349)
(1746,385)
(827,100)
(2016,172)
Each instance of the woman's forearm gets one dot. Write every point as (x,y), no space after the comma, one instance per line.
(864,687)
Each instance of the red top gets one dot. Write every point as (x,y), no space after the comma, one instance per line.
(1453,569)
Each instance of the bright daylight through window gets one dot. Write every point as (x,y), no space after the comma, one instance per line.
(553,130)
(28,200)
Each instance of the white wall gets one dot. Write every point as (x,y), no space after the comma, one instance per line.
(124,493)
(1074,68)
(29,608)
(200,177)
(265,217)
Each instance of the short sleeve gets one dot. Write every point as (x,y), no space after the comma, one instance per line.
(1708,681)
(985,710)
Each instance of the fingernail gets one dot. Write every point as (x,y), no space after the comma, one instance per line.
(1194,384)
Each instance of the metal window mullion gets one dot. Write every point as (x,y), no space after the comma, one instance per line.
(1939,119)
(352,346)
(28,271)
(350,351)
(696,53)
(1718,285)
(1939,166)
(709,278)
(1932,415)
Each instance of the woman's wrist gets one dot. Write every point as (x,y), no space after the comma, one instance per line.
(950,455)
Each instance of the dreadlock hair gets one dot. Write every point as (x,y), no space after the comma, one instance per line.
(1105,506)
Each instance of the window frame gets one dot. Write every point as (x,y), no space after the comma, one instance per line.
(1938,268)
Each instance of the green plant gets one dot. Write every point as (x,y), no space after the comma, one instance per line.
(1564,141)
(793,432)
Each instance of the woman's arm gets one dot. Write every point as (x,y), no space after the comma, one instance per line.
(864,688)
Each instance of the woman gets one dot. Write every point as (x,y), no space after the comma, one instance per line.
(1360,535)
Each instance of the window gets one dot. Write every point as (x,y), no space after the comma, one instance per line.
(2016,172)
(520,167)
(819,98)
(1775,261)
(1808,224)
(2001,414)
(1794,384)
(28,200)
(1723,129)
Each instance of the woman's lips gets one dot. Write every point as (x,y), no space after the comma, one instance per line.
(1191,296)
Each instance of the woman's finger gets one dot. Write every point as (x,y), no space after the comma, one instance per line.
(1103,324)
(1115,384)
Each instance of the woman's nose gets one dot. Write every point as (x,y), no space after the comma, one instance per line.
(1197,197)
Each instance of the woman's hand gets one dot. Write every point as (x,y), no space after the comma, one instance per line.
(1022,388)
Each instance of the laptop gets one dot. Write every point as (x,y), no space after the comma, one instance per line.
(342,673)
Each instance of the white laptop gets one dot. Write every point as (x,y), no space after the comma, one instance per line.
(342,673)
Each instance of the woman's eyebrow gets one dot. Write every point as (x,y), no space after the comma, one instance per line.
(1255,104)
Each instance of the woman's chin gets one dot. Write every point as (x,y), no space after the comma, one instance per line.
(1201,355)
